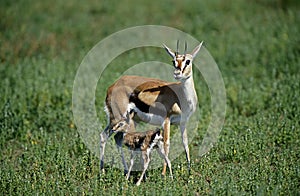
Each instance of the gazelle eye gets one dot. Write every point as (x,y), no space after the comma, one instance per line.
(187,62)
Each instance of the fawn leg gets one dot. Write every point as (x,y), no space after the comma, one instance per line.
(131,164)
(162,153)
(146,158)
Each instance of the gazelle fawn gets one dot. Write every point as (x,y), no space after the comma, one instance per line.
(154,101)
(144,142)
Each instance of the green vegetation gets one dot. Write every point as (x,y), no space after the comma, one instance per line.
(255,43)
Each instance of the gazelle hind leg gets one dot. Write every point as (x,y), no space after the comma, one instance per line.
(170,167)
(103,139)
(146,158)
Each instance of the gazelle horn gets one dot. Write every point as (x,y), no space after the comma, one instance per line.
(185,47)
(177,50)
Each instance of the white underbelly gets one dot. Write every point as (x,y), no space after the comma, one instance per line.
(154,119)
(151,118)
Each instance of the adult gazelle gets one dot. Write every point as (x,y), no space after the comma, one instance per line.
(153,101)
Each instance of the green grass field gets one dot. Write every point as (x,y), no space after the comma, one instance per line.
(256,45)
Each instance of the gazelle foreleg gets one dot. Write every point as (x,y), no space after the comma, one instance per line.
(166,127)
(185,144)
(120,149)
(119,141)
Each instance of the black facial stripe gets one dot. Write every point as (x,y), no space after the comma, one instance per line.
(185,65)
(174,63)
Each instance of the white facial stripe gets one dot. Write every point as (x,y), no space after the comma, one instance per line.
(179,61)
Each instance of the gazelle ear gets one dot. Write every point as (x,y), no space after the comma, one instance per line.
(196,50)
(169,51)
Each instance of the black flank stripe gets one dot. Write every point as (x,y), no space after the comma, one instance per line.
(138,103)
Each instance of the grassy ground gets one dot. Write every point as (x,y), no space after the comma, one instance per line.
(255,43)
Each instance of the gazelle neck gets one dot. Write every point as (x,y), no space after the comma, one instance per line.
(188,87)
(189,92)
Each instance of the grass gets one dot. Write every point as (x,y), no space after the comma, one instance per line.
(256,45)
